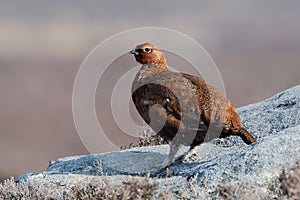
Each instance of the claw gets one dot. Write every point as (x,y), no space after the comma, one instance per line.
(189,155)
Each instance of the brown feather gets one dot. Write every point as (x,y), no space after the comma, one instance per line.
(179,93)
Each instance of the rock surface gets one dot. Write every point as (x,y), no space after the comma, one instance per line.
(274,122)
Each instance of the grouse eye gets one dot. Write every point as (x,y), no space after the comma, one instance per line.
(147,50)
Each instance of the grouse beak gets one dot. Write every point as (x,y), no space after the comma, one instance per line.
(133,51)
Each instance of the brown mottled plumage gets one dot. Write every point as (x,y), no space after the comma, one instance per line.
(189,107)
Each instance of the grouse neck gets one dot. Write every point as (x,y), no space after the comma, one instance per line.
(151,69)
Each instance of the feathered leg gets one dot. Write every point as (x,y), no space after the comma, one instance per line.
(174,147)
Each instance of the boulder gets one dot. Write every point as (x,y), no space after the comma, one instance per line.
(229,162)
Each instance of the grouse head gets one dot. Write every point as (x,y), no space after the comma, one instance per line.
(147,53)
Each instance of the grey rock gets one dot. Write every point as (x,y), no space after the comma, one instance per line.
(274,122)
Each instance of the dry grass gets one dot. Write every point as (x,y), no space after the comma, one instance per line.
(129,189)
(134,188)
(10,190)
(292,183)
(286,186)
(147,138)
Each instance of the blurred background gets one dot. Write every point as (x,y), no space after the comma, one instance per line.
(255,44)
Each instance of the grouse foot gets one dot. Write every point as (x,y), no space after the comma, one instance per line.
(189,156)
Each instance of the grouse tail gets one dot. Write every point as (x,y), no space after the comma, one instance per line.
(246,136)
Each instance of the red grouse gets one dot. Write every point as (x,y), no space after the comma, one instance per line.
(181,108)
